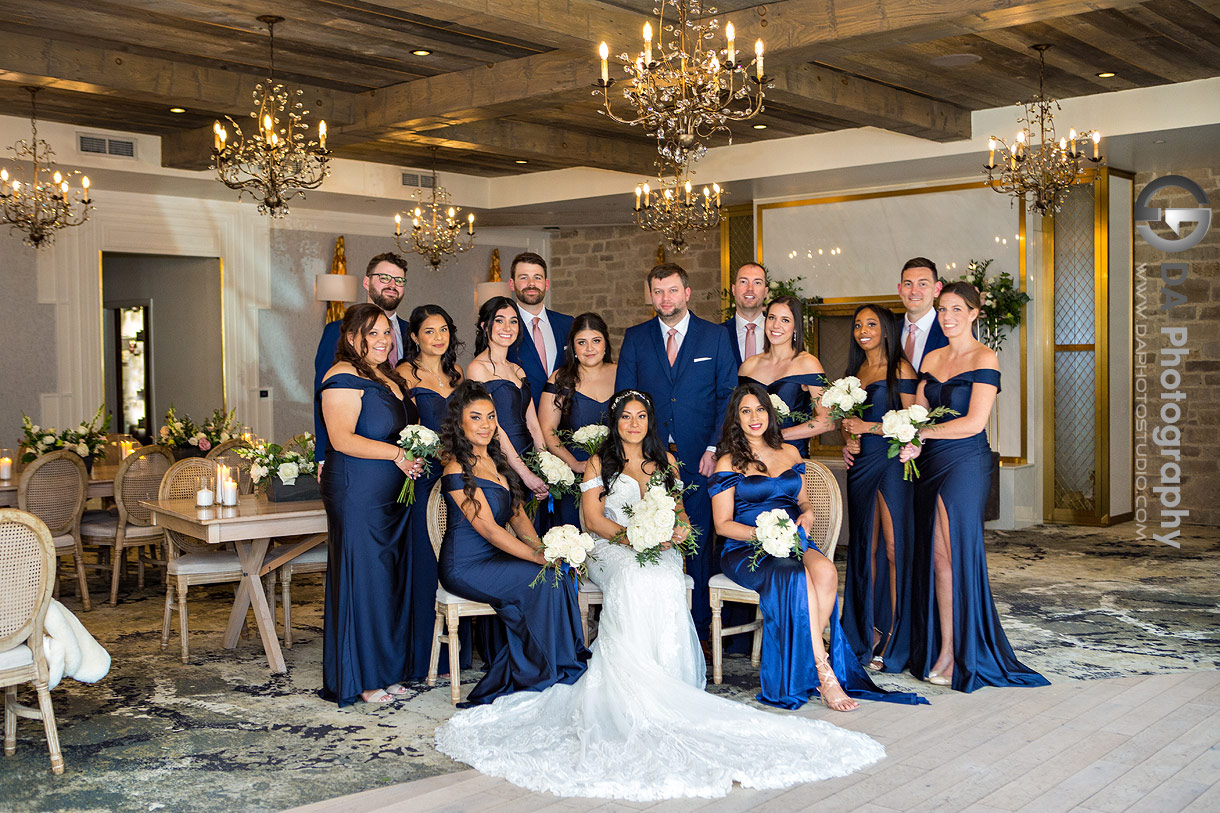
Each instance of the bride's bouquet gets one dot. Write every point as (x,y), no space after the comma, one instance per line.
(785,412)
(652,521)
(564,545)
(901,426)
(775,534)
(589,437)
(554,472)
(844,398)
(420,443)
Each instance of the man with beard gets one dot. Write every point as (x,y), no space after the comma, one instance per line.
(385,279)
(686,365)
(544,333)
(746,326)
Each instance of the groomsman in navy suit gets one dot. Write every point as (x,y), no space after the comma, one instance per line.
(919,287)
(750,292)
(686,365)
(385,279)
(544,332)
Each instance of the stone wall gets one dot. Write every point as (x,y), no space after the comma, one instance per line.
(602,269)
(1197,410)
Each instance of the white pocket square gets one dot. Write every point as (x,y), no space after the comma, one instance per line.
(705,358)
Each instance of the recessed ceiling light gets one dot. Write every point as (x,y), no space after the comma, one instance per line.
(422,52)
(1106,75)
(177,110)
(760,126)
(521,161)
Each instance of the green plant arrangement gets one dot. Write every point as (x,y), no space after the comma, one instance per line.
(87,440)
(1002,303)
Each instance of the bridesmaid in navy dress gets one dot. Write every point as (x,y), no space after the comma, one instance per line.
(499,329)
(877,594)
(758,472)
(430,368)
(957,639)
(361,400)
(481,560)
(577,395)
(785,369)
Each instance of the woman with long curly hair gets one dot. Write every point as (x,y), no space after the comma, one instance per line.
(481,559)
(757,472)
(363,403)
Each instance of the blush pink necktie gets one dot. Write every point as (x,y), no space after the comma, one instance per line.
(393,359)
(751,341)
(539,344)
(671,346)
(910,347)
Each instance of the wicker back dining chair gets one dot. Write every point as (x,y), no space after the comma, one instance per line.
(823,492)
(190,561)
(450,607)
(226,455)
(53,488)
(137,479)
(27,571)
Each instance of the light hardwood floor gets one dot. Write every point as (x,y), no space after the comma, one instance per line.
(1100,746)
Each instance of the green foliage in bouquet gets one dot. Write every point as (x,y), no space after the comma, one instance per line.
(1002,303)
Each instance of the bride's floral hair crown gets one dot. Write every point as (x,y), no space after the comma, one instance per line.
(630,395)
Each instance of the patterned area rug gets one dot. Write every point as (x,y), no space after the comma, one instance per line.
(222,734)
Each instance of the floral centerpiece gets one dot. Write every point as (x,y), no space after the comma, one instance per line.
(775,534)
(220,427)
(901,426)
(555,473)
(589,438)
(183,436)
(844,398)
(87,440)
(1002,303)
(652,521)
(288,472)
(420,443)
(564,546)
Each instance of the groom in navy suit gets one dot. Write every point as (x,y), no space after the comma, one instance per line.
(544,333)
(686,365)
(918,288)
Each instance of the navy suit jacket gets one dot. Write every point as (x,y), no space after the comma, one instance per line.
(691,397)
(730,326)
(524,354)
(323,360)
(936,340)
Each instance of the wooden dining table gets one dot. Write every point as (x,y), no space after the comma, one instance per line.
(249,526)
(101,483)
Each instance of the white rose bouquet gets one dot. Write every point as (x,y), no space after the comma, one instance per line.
(785,412)
(844,398)
(182,432)
(589,437)
(420,443)
(775,534)
(286,463)
(652,521)
(564,545)
(89,438)
(901,426)
(559,479)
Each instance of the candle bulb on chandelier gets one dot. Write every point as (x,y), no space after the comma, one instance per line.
(991,152)
(1072,139)
(758,58)
(397,225)
(1013,158)
(646,192)
(707,198)
(716,189)
(730,54)
(638,193)
(470,224)
(688,193)
(322,134)
(647,44)
(604,52)
(58,178)
(1096,144)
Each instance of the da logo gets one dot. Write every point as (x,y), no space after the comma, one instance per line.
(1173,218)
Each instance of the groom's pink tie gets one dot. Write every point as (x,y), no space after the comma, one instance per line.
(910,348)
(751,341)
(539,344)
(671,346)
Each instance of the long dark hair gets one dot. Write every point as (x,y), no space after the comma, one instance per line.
(797,308)
(412,351)
(567,377)
(360,319)
(733,440)
(890,344)
(456,446)
(613,458)
(486,314)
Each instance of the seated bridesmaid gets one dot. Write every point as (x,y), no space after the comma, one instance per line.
(785,369)
(877,593)
(577,395)
(957,639)
(481,560)
(758,472)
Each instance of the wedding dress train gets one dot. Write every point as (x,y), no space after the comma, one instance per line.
(639,725)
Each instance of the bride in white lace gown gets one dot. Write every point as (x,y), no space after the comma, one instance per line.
(639,725)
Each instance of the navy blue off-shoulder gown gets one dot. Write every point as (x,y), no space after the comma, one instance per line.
(582,411)
(791,390)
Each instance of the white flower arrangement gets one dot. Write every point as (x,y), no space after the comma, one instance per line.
(220,427)
(559,479)
(564,545)
(901,426)
(89,438)
(775,534)
(589,437)
(181,432)
(652,521)
(286,463)
(784,412)
(420,443)
(844,398)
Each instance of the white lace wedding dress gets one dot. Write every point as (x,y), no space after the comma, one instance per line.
(638,725)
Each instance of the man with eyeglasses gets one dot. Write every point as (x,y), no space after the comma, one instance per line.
(385,279)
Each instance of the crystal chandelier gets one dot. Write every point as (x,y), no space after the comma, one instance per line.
(436,229)
(675,207)
(1043,172)
(685,94)
(44,202)
(280,162)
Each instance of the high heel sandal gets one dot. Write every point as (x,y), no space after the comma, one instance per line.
(826,680)
(877,664)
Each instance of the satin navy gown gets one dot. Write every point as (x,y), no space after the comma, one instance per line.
(789,675)
(544,641)
(364,639)
(957,473)
(867,593)
(511,403)
(582,411)
(791,390)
